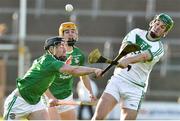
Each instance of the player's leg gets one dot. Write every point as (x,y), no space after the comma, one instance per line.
(128,114)
(105,104)
(14,107)
(53,113)
(108,100)
(80,111)
(39,115)
(10,108)
(132,95)
(67,112)
(90,108)
(39,111)
(69,115)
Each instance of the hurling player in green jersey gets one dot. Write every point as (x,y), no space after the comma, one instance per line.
(62,87)
(26,100)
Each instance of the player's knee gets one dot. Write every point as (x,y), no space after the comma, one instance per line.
(98,116)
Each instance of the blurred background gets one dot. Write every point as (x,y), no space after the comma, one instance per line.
(25,24)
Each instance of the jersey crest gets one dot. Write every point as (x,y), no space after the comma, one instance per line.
(143,44)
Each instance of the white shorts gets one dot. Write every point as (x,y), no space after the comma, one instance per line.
(15,107)
(64,108)
(127,93)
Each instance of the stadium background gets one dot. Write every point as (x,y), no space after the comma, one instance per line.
(102,24)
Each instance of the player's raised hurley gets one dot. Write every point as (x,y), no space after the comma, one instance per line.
(96,57)
(126,50)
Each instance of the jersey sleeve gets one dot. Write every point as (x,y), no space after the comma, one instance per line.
(131,36)
(157,52)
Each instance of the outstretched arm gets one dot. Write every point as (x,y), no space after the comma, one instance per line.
(79,70)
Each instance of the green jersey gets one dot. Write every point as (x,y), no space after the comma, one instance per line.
(63,85)
(38,78)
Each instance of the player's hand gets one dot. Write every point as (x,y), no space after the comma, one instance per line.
(98,72)
(123,63)
(93,98)
(53,102)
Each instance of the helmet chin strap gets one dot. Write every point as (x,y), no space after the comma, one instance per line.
(61,58)
(71,42)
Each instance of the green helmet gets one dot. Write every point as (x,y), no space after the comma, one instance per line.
(165,19)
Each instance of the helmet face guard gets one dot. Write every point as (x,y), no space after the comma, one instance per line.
(166,19)
(71,42)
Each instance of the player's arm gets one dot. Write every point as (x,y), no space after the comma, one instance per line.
(79,70)
(141,57)
(87,84)
(86,80)
(49,94)
(52,101)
